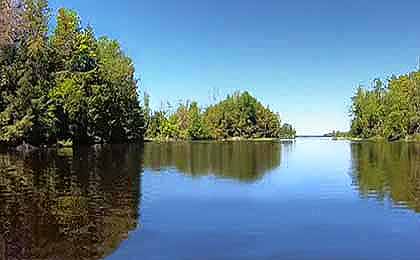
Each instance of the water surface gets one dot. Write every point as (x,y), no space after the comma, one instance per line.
(307,199)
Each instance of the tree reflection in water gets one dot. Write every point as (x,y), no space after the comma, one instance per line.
(388,171)
(68,205)
(243,161)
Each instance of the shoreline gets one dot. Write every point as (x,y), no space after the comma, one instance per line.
(234,139)
(25,147)
(408,139)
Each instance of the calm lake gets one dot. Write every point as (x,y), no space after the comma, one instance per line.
(305,199)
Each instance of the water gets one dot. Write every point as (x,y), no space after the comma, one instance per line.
(307,199)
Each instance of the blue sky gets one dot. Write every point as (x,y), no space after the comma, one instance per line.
(303,58)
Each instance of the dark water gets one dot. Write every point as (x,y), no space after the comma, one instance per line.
(308,199)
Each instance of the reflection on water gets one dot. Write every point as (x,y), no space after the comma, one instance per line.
(68,206)
(306,208)
(243,161)
(83,204)
(388,171)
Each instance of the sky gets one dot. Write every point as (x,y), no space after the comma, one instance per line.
(302,58)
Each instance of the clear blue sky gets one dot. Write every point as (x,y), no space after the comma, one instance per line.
(303,58)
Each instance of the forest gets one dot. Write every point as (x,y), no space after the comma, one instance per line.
(65,85)
(239,116)
(390,109)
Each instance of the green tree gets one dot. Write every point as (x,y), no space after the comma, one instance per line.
(389,110)
(26,78)
(242,115)
(67,85)
(197,129)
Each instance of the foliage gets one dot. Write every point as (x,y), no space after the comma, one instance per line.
(242,115)
(186,123)
(287,131)
(68,85)
(338,134)
(390,110)
(238,116)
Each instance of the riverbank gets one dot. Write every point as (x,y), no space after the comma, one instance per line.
(59,145)
(411,138)
(26,147)
(233,139)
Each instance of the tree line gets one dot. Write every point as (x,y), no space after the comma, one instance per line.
(66,84)
(238,116)
(63,84)
(390,109)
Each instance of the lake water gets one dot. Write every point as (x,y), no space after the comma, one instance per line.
(306,199)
